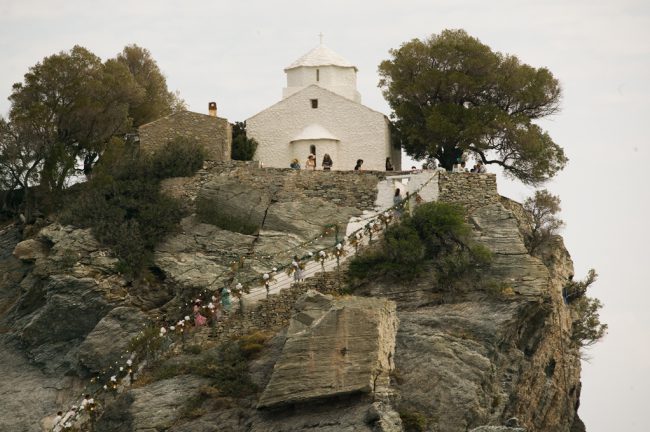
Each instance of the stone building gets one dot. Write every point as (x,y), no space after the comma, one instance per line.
(212,132)
(321,112)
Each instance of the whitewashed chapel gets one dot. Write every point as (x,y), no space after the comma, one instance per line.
(321,112)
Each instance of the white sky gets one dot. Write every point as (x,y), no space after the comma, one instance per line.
(234,53)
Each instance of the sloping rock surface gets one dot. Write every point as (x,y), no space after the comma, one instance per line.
(334,347)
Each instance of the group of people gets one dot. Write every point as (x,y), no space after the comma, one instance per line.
(461,167)
(430,165)
(216,308)
(310,164)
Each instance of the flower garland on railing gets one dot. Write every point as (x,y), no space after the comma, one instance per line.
(181,327)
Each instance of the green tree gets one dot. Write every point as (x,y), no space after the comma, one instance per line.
(20,159)
(542,207)
(452,95)
(67,109)
(586,328)
(243,148)
(158,101)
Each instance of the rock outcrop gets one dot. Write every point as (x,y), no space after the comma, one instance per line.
(334,347)
(394,356)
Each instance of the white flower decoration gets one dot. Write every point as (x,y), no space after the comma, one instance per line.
(129,362)
(275,269)
(339,246)
(172,328)
(239,286)
(114,378)
(266,276)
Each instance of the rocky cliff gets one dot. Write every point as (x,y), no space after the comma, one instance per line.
(392,357)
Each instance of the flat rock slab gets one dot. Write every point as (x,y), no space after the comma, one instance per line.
(334,346)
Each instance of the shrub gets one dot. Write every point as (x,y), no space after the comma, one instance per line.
(412,420)
(542,208)
(243,148)
(436,233)
(586,328)
(180,157)
(123,205)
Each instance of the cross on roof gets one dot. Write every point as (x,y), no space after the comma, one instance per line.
(320,35)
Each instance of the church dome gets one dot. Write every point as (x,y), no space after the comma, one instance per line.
(321,56)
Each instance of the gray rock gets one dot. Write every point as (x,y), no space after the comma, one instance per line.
(159,405)
(334,347)
(237,200)
(200,254)
(26,393)
(72,308)
(347,415)
(224,420)
(110,337)
(30,250)
(497,228)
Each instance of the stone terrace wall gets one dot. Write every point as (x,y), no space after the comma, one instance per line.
(470,190)
(344,188)
(213,133)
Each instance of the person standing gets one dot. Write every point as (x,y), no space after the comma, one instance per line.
(357,167)
(311,162)
(327,162)
(199,319)
(226,301)
(295,164)
(298,274)
(397,202)
(389,165)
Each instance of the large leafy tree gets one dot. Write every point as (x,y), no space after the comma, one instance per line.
(68,107)
(451,95)
(158,101)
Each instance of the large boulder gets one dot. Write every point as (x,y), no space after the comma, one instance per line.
(70,309)
(30,250)
(334,347)
(110,338)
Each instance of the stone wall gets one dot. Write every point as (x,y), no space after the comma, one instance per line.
(343,188)
(468,189)
(213,133)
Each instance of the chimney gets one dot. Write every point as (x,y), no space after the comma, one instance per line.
(212,109)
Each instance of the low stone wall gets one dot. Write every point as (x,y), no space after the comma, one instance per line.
(470,190)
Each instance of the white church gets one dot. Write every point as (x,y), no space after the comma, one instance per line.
(321,112)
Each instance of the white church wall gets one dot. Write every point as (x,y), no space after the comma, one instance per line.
(338,79)
(362,131)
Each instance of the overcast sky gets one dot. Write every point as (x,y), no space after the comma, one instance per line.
(234,53)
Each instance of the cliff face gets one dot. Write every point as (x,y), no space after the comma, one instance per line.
(393,357)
